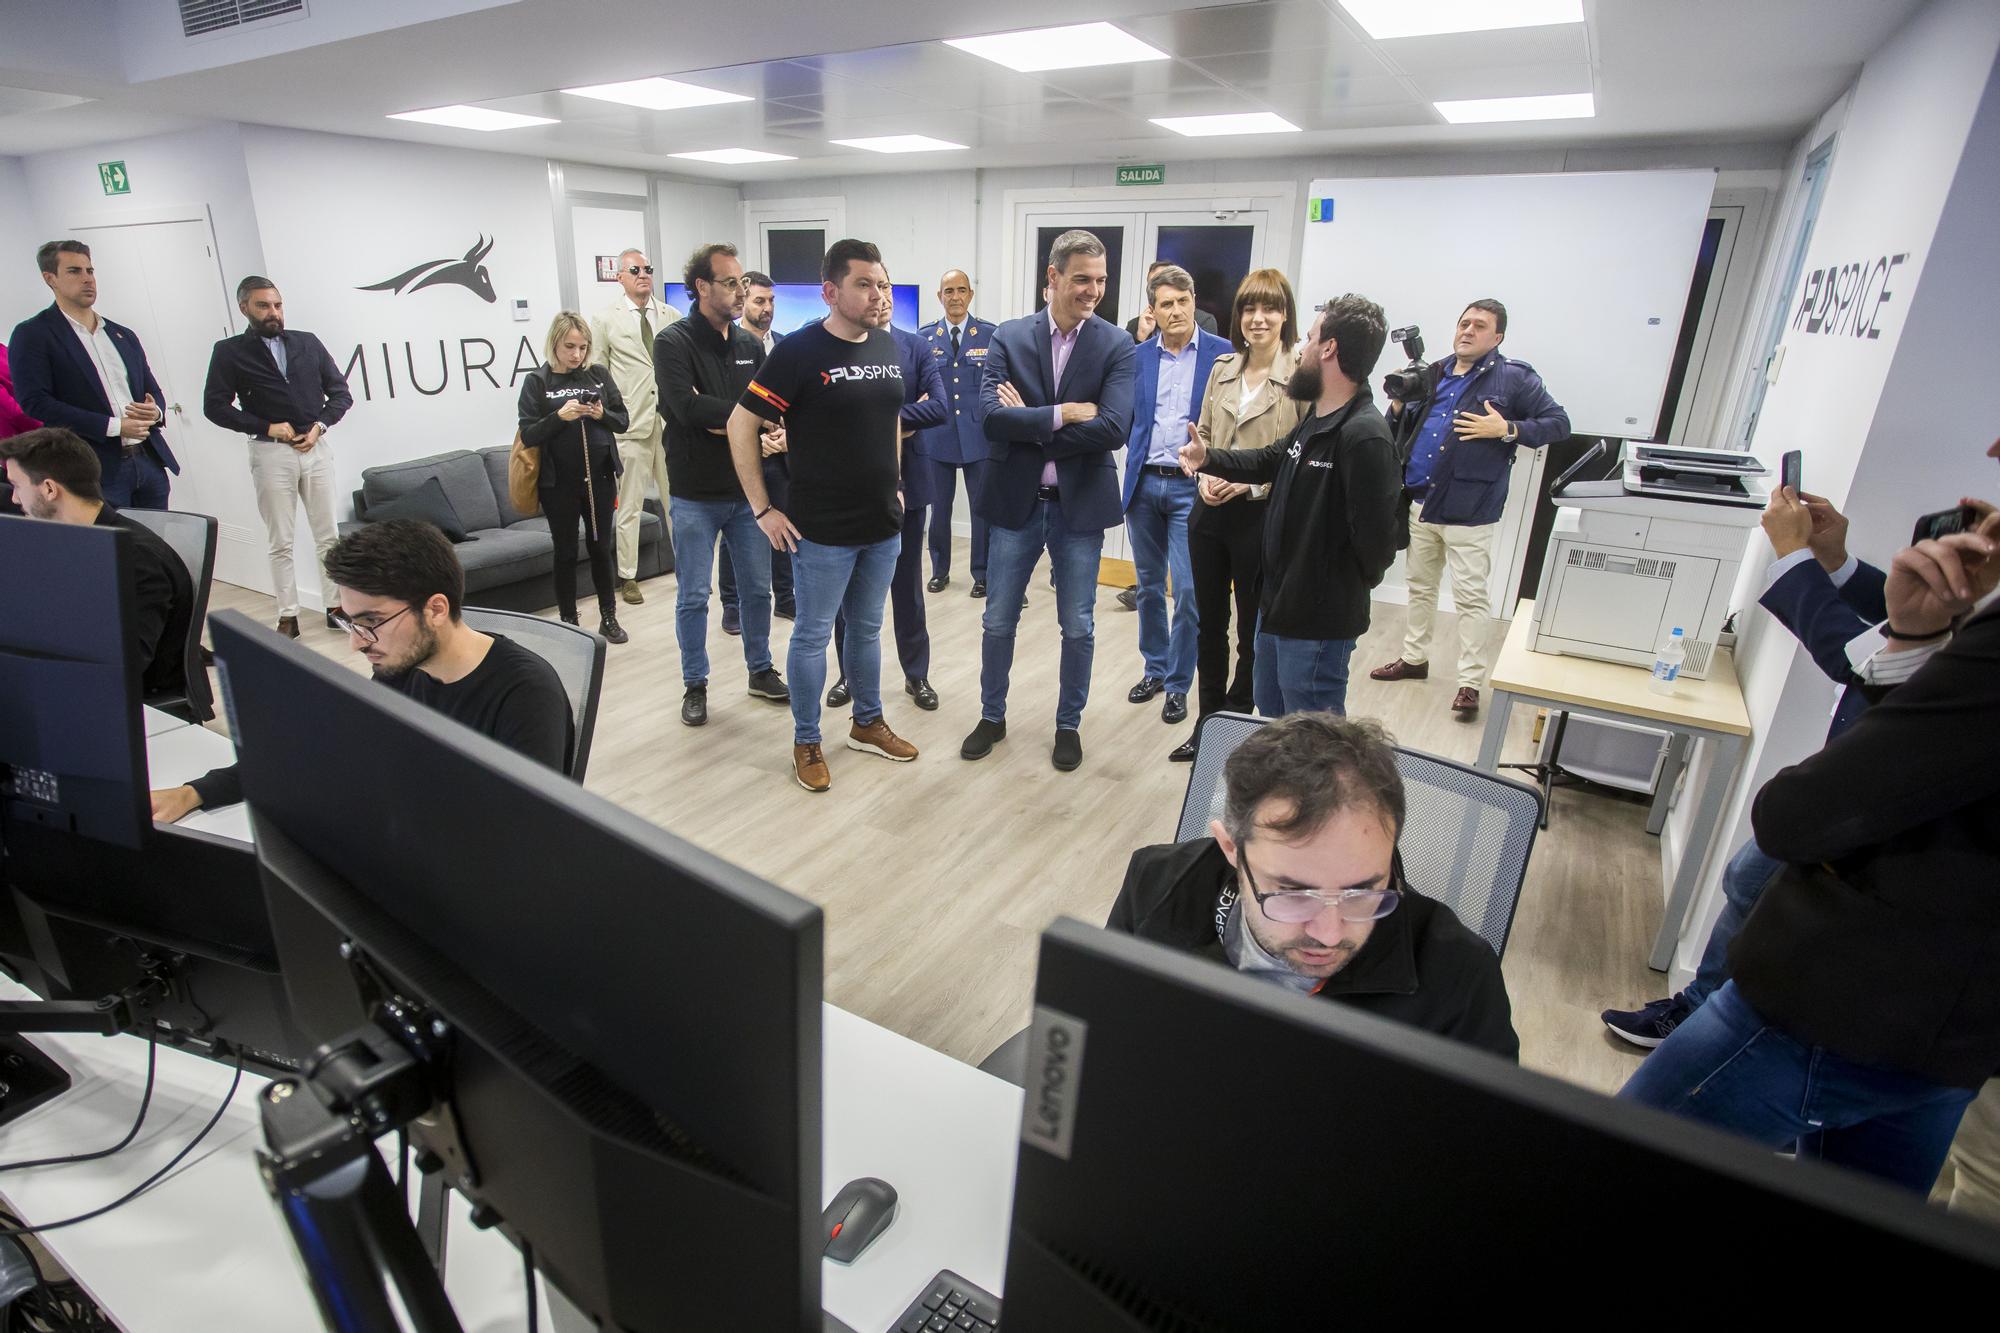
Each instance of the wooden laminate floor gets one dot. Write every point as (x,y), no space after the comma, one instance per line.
(937,876)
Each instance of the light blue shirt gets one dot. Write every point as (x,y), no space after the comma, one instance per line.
(277,346)
(1171,404)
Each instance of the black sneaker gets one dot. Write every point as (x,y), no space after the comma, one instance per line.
(694,706)
(732,620)
(1068,751)
(768,684)
(982,740)
(611,630)
(838,696)
(1128,598)
(1648,1025)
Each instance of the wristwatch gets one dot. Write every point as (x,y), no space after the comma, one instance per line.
(1513,434)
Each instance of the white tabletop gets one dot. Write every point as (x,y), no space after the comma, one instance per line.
(184,754)
(157,721)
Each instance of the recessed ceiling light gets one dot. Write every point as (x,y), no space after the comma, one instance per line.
(1385,19)
(656,94)
(472,118)
(1242,122)
(1561,106)
(900,143)
(1075,46)
(735,157)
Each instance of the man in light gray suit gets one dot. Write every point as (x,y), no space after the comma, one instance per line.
(621,340)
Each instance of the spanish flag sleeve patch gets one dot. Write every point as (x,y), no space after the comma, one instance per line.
(769,397)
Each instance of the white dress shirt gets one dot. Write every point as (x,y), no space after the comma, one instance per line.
(110,366)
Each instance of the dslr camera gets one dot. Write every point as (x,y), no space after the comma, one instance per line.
(1412,382)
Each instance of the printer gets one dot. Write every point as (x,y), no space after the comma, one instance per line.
(1656,546)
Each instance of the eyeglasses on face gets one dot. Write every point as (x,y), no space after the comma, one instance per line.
(369,632)
(1295,907)
(729,284)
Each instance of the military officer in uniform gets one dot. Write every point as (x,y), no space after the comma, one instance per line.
(957,344)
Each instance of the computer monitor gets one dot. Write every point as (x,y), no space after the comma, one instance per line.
(94,897)
(634,1069)
(1201,1150)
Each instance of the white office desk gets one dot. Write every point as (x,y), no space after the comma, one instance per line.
(206,1252)
(157,721)
(183,754)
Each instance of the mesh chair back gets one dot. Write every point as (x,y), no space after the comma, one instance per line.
(1466,834)
(575,653)
(192,537)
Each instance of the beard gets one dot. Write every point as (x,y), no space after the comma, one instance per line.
(422,649)
(269,328)
(1306,383)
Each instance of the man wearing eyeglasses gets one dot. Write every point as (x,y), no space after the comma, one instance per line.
(621,337)
(1300,886)
(401,592)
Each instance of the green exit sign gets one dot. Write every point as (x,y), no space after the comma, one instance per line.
(112,176)
(1155,174)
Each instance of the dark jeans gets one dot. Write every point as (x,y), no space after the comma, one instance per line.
(944,493)
(1301,675)
(138,482)
(1744,880)
(1727,1067)
(777,481)
(1012,554)
(1226,548)
(906,603)
(566,507)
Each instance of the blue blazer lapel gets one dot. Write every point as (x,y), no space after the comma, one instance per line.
(1045,356)
(65,337)
(1145,394)
(1208,350)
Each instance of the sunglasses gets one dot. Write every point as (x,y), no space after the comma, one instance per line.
(636,269)
(1295,907)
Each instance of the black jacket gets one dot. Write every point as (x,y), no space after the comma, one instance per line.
(162,609)
(245,392)
(564,443)
(1332,528)
(1469,484)
(1881,941)
(701,374)
(1421,966)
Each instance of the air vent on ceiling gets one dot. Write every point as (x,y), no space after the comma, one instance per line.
(199,18)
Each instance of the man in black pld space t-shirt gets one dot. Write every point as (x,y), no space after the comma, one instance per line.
(838,385)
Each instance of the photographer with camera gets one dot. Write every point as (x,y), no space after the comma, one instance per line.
(1458,422)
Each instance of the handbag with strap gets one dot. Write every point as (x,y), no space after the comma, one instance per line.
(524,478)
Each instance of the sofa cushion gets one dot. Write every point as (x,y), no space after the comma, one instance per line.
(425,503)
(503,555)
(495,462)
(460,472)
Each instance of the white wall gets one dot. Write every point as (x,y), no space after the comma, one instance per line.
(1883,434)
(691,213)
(21,290)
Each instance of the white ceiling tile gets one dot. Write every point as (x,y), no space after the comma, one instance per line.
(1476,50)
(1504,81)
(1292,64)
(1226,29)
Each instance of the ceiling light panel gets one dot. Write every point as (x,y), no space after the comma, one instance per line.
(901,143)
(1242,122)
(1388,19)
(735,157)
(1486,110)
(656,94)
(1075,46)
(472,118)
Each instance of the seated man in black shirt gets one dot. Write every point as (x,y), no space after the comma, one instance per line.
(56,476)
(1301,886)
(401,591)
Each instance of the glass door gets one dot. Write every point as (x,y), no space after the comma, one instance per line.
(1118,231)
(1218,247)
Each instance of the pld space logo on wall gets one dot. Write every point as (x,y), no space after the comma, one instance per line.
(467,272)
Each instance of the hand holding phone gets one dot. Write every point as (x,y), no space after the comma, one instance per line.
(1791,470)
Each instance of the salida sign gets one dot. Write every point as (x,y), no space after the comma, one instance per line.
(373,362)
(1847,298)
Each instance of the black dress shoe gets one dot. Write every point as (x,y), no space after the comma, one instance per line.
(939,582)
(1129,599)
(982,740)
(611,630)
(1146,689)
(1174,710)
(694,706)
(838,696)
(1068,751)
(333,624)
(1184,752)
(920,690)
(979,587)
(732,620)
(785,612)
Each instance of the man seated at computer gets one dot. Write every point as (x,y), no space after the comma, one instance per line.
(55,475)
(1301,886)
(401,590)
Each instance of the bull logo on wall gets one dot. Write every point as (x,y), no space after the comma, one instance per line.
(467,272)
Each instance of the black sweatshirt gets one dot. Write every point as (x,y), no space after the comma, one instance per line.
(562,443)
(701,375)
(1332,526)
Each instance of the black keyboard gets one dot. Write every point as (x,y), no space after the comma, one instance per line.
(951,1303)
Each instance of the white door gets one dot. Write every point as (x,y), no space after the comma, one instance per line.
(597,233)
(161,280)
(1218,247)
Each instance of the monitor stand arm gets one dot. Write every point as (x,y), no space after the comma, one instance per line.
(108,1016)
(349,1222)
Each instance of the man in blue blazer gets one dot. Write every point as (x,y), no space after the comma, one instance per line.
(75,369)
(1172,373)
(1057,402)
(959,343)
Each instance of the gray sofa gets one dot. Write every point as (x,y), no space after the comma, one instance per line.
(510,560)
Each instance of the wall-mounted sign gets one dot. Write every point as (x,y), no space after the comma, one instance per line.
(1319,210)
(1847,298)
(112,176)
(467,272)
(1151,174)
(607,268)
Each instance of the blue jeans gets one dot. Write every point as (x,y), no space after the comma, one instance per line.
(1727,1067)
(1748,874)
(831,581)
(1300,675)
(1158,525)
(696,524)
(138,482)
(1011,554)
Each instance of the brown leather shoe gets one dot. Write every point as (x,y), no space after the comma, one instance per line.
(1401,670)
(288,626)
(809,767)
(876,738)
(1466,702)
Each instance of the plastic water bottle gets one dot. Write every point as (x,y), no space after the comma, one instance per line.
(1667,662)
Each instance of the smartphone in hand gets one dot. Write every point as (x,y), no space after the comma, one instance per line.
(1791,470)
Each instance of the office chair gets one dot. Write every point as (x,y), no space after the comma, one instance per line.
(577,655)
(192,537)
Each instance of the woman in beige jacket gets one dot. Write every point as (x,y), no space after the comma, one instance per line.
(1244,407)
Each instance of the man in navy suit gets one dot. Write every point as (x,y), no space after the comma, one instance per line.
(75,369)
(1056,398)
(281,388)
(923,407)
(1172,373)
(958,343)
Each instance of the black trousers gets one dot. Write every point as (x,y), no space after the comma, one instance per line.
(778,482)
(1226,547)
(567,506)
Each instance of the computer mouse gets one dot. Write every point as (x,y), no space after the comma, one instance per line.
(861,1211)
